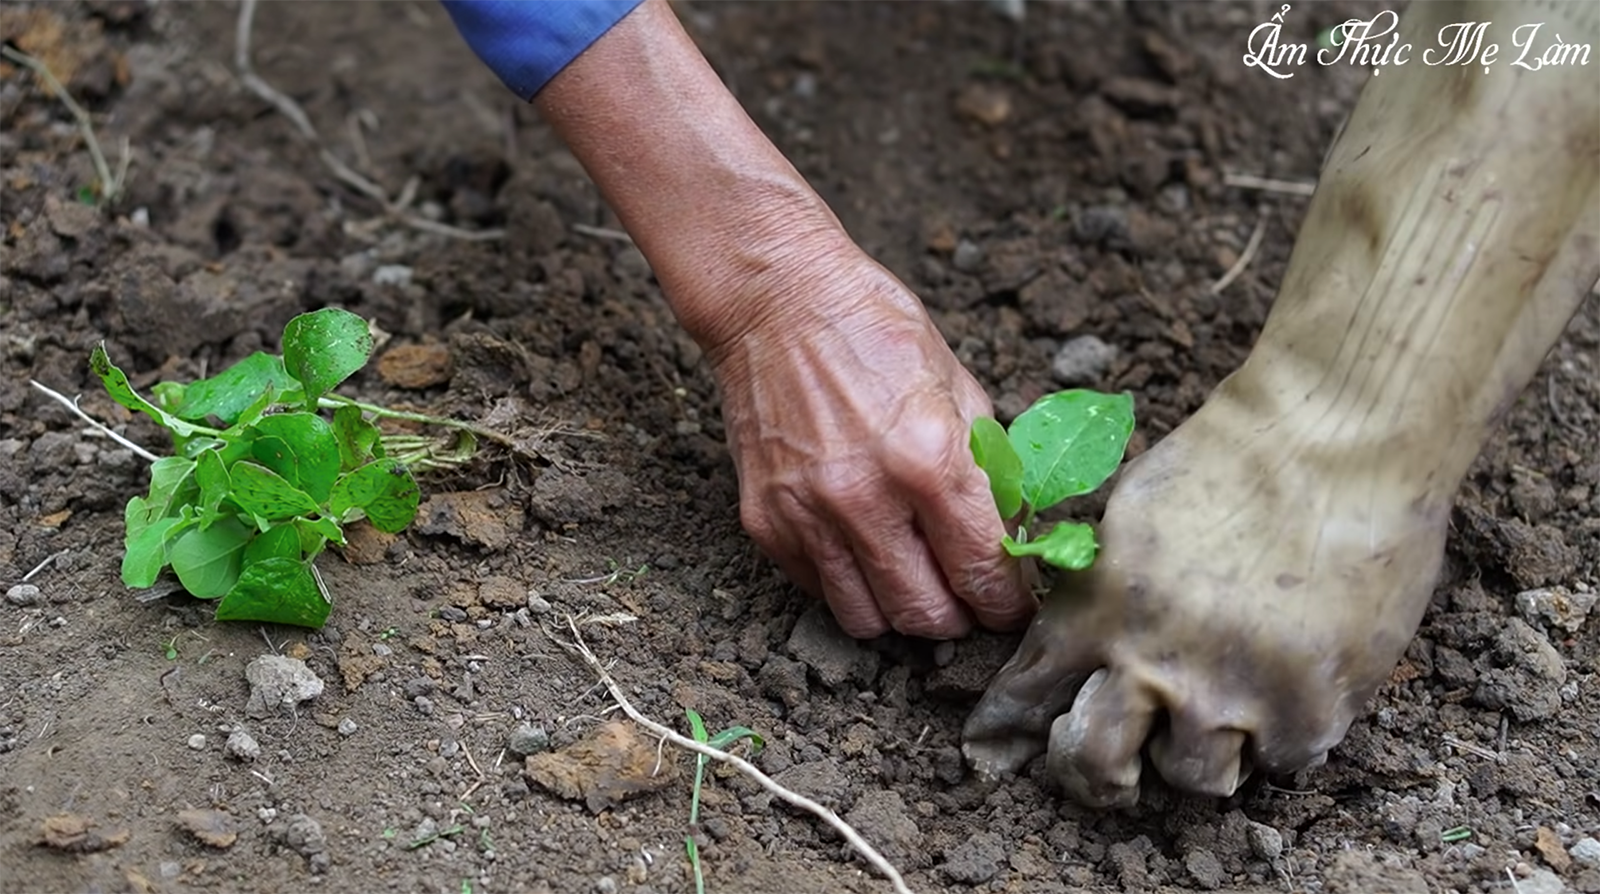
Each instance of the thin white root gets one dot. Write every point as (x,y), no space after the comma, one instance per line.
(1267,184)
(395,209)
(43,565)
(844,829)
(72,404)
(1245,257)
(110,184)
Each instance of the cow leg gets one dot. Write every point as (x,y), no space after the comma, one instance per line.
(1266,564)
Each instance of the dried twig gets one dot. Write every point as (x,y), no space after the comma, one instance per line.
(394,210)
(602,233)
(801,801)
(1268,184)
(1470,748)
(1244,258)
(110,184)
(72,404)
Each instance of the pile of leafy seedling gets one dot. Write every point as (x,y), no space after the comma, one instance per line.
(268,468)
(1065,445)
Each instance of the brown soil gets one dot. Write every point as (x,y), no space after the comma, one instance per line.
(1033,185)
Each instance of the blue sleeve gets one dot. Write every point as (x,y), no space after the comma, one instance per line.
(527,42)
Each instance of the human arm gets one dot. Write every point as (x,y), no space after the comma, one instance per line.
(847,413)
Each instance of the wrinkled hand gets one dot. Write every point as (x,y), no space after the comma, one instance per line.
(848,418)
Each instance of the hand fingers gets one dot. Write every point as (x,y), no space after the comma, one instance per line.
(908,584)
(1094,748)
(891,555)
(845,588)
(956,512)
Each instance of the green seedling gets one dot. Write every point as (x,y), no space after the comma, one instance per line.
(1066,445)
(1459,833)
(697,728)
(262,478)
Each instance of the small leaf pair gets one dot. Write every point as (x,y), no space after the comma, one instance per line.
(1065,445)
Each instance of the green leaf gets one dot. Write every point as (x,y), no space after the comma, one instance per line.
(359,441)
(276,542)
(323,348)
(276,591)
(733,734)
(145,552)
(383,490)
(315,533)
(211,474)
(290,394)
(207,560)
(697,726)
(228,394)
(1069,545)
(117,386)
(1070,442)
(171,485)
(302,448)
(265,494)
(993,453)
(168,395)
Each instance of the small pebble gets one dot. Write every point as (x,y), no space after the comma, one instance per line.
(1082,361)
(606,885)
(347,727)
(267,814)
(392,275)
(968,256)
(381,650)
(197,741)
(23,594)
(1586,852)
(1265,842)
(170,869)
(944,653)
(527,739)
(424,704)
(538,604)
(452,614)
(242,745)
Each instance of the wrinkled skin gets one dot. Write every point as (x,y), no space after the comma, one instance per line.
(846,411)
(1266,564)
(851,446)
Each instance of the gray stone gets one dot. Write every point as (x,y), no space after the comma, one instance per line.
(347,727)
(1586,852)
(278,682)
(1556,607)
(242,745)
(1541,881)
(303,835)
(527,739)
(197,741)
(1265,842)
(23,594)
(968,256)
(1082,361)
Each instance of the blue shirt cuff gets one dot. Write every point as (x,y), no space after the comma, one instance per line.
(527,42)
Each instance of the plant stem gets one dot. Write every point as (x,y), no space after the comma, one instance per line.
(333,401)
